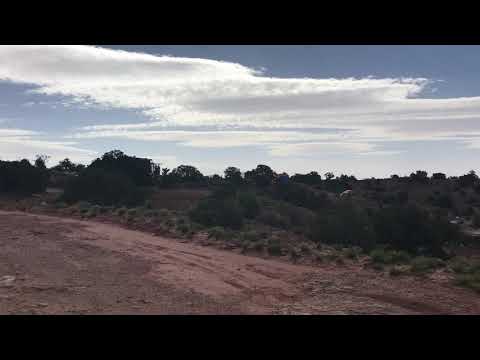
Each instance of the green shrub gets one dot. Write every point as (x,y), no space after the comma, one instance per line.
(385,256)
(273,219)
(350,253)
(150,213)
(217,233)
(249,204)
(121,211)
(21,177)
(132,212)
(218,212)
(184,228)
(471,281)
(60,205)
(423,264)
(345,224)
(462,265)
(397,271)
(274,247)
(476,219)
(101,187)
(250,236)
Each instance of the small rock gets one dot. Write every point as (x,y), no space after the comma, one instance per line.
(42,304)
(7,281)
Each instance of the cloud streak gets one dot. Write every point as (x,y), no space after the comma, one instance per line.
(245,107)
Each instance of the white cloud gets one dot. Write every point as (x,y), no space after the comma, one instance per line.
(17,144)
(199,93)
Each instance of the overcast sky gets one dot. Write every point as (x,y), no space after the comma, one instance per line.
(361,110)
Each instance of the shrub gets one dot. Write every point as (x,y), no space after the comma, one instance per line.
(121,211)
(138,171)
(476,219)
(350,253)
(461,265)
(381,256)
(344,224)
(397,271)
(132,212)
(272,218)
(250,236)
(21,177)
(184,228)
(423,263)
(414,230)
(218,212)
(217,233)
(274,247)
(249,204)
(385,256)
(471,281)
(103,188)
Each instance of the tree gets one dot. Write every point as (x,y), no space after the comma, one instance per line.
(101,187)
(439,176)
(140,170)
(66,166)
(329,175)
(420,176)
(41,161)
(312,178)
(233,175)
(187,174)
(468,179)
(262,175)
(20,177)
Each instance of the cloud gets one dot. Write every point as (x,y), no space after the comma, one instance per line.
(16,144)
(174,92)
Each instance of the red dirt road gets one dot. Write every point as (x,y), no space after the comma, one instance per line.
(51,265)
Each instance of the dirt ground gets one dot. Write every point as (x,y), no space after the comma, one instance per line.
(51,265)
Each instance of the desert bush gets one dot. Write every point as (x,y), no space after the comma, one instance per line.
(250,236)
(121,211)
(463,265)
(344,224)
(183,228)
(21,177)
(100,187)
(274,247)
(60,205)
(397,271)
(218,212)
(414,230)
(217,233)
(300,195)
(272,218)
(386,256)
(249,204)
(424,263)
(471,281)
(350,253)
(138,171)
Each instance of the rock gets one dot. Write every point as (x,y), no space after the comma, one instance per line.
(42,304)
(7,281)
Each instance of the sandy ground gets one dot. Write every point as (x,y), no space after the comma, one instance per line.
(51,265)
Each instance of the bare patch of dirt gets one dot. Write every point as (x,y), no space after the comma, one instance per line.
(53,265)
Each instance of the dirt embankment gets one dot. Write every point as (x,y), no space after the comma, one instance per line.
(51,265)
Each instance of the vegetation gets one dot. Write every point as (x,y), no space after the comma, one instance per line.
(22,178)
(402,224)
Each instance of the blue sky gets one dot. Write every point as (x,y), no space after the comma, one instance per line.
(362,110)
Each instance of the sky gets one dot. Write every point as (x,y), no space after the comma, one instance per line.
(370,111)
